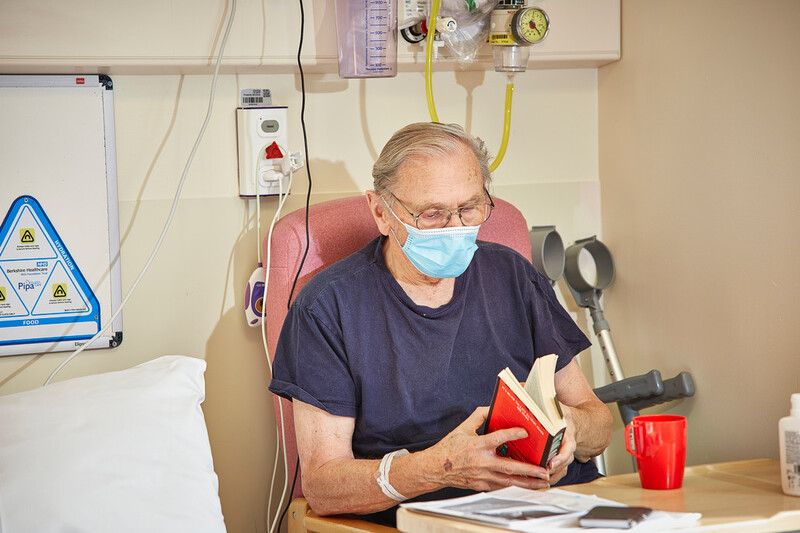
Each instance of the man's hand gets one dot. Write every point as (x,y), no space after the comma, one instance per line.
(467,460)
(559,464)
(588,420)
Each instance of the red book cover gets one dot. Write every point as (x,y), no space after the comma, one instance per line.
(509,411)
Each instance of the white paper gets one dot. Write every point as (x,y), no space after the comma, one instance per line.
(500,508)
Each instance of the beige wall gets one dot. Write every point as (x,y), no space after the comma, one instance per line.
(191,300)
(699,167)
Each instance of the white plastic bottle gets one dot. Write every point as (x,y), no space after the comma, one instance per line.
(789,438)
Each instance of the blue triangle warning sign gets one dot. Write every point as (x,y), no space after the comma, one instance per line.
(43,294)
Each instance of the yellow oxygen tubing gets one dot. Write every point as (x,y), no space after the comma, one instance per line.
(429,88)
(429,59)
(506,129)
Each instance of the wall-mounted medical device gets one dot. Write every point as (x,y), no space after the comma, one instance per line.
(547,251)
(265,162)
(254,297)
(513,28)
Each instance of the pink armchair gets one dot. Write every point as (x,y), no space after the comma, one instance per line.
(337,228)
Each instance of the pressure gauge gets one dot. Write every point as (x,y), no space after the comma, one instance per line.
(530,25)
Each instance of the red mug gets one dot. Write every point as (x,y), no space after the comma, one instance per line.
(660,449)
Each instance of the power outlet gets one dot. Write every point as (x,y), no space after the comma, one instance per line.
(263,167)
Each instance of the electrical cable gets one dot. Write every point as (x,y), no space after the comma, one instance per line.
(294,482)
(287,154)
(305,147)
(279,517)
(257,190)
(172,210)
(258,220)
(282,200)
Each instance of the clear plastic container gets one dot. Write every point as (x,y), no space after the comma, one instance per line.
(512,58)
(366,31)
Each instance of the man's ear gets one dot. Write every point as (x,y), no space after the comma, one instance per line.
(378,208)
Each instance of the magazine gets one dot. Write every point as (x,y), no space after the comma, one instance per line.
(515,508)
(537,511)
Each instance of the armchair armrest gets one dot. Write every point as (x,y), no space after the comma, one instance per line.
(303,520)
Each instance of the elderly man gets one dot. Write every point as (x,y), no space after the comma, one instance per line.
(396,348)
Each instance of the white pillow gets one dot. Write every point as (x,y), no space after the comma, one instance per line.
(125,451)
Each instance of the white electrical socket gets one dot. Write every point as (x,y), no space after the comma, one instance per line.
(256,129)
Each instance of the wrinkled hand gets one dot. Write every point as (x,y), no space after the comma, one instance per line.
(467,460)
(566,454)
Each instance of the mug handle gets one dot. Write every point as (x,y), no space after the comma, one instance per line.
(629,439)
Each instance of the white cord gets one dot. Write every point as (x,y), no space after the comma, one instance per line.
(264,340)
(174,204)
(258,223)
(282,196)
(263,300)
(258,193)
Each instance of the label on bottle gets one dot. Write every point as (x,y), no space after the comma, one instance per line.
(791,441)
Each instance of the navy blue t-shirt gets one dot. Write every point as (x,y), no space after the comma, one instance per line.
(355,345)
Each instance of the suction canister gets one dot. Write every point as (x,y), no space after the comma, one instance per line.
(366,31)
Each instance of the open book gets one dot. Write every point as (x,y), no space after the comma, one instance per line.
(533,408)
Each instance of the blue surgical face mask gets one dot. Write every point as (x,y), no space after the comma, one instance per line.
(439,253)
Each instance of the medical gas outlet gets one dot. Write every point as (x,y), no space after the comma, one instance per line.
(265,163)
(513,28)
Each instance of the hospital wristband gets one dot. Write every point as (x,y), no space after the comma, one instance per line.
(382,476)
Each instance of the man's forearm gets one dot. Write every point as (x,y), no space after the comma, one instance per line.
(461,459)
(592,421)
(350,485)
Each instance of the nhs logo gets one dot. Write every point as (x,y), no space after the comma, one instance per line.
(41,263)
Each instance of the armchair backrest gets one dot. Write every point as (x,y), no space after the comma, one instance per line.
(338,228)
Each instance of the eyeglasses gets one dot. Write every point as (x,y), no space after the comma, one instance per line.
(470,215)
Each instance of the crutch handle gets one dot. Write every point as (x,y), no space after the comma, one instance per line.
(681,386)
(633,388)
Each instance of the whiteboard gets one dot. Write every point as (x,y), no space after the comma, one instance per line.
(59,236)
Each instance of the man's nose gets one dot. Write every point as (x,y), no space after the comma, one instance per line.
(455,220)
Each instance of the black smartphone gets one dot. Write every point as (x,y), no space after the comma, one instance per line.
(614,517)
